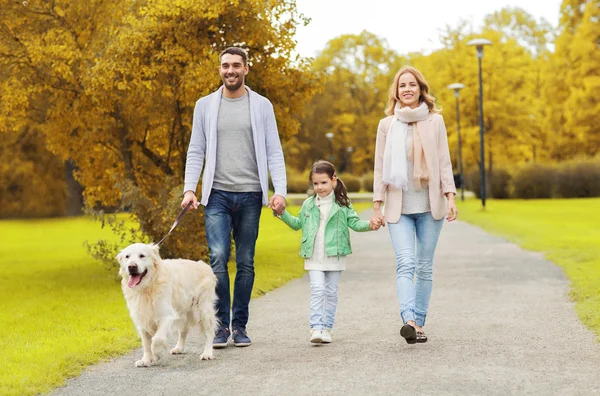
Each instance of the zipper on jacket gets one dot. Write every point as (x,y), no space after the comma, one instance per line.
(338,235)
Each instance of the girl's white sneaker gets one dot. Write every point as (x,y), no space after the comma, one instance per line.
(316,337)
(326,336)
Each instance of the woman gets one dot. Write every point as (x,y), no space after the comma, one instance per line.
(413,175)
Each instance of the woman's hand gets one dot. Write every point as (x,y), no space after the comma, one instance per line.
(377,217)
(452,210)
(374,223)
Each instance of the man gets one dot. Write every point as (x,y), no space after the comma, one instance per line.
(235,129)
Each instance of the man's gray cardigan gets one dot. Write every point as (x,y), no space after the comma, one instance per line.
(203,143)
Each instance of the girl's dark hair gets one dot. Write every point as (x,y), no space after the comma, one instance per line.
(341,194)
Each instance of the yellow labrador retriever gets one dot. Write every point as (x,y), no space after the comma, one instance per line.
(167,294)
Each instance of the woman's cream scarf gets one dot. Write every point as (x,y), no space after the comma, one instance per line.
(395,165)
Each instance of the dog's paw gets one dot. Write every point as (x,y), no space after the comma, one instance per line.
(176,351)
(158,347)
(207,356)
(144,363)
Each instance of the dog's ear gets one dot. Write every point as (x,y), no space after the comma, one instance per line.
(155,253)
(120,256)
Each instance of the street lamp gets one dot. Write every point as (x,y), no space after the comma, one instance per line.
(329,136)
(479,43)
(349,150)
(457,87)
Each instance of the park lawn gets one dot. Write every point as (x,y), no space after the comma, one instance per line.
(61,311)
(567,230)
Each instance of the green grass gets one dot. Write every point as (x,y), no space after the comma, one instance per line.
(567,230)
(61,311)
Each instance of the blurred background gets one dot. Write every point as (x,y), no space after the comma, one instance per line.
(97,96)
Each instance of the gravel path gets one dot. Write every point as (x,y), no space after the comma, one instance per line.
(500,323)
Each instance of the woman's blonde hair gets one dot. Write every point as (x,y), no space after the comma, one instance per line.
(424,97)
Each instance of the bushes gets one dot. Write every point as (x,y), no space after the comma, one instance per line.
(497,183)
(579,179)
(500,184)
(573,179)
(535,181)
(367,182)
(352,182)
(297,183)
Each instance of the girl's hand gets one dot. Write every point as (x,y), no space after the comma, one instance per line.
(378,216)
(452,211)
(375,223)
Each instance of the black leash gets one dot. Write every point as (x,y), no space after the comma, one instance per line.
(176,221)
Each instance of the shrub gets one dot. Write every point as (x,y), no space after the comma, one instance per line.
(472,181)
(297,183)
(499,182)
(579,179)
(352,182)
(367,182)
(535,181)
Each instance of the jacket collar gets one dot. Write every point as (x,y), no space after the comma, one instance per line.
(335,207)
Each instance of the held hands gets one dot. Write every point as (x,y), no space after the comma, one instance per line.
(452,210)
(374,224)
(277,204)
(187,197)
(377,220)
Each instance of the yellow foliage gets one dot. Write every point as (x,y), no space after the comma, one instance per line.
(541,104)
(112,86)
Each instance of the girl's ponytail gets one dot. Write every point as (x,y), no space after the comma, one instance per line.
(341,194)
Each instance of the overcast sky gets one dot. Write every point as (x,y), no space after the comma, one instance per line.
(408,25)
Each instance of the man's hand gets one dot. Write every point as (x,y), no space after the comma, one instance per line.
(277,203)
(187,197)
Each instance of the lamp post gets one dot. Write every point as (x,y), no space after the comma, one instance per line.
(329,136)
(349,150)
(457,87)
(479,43)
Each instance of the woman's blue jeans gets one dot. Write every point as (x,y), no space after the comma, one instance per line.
(414,267)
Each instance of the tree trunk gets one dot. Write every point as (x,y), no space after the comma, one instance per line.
(74,190)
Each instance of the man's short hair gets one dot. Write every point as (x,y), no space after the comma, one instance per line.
(234,51)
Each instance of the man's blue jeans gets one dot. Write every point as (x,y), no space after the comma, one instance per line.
(414,291)
(240,212)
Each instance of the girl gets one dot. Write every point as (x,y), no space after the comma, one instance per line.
(413,174)
(324,219)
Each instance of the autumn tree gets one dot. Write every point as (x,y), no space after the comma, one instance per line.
(582,108)
(31,178)
(358,71)
(512,80)
(119,82)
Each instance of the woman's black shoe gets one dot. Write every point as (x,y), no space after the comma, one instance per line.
(409,334)
(421,337)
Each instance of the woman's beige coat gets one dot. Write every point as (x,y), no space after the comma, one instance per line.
(432,132)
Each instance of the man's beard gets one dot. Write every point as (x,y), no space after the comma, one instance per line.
(233,87)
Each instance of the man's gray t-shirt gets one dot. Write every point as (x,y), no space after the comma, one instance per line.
(236,169)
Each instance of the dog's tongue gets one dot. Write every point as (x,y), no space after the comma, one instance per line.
(134,280)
